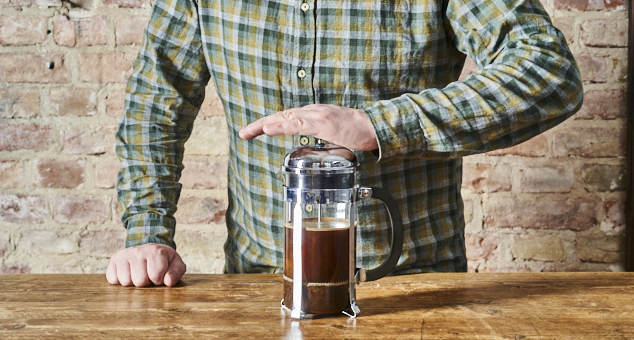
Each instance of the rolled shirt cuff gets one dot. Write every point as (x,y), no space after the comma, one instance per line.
(150,228)
(398,129)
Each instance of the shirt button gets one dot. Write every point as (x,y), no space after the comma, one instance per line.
(301,73)
(303,140)
(305,7)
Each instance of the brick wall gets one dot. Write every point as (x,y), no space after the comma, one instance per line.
(554,203)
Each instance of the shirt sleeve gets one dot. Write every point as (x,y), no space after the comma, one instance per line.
(527,83)
(163,96)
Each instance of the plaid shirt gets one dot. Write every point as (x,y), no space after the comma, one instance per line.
(397,60)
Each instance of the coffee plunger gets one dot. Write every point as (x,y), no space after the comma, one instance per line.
(320,195)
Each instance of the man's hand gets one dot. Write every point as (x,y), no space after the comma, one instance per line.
(145,265)
(350,128)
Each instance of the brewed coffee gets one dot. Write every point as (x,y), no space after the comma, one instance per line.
(325,263)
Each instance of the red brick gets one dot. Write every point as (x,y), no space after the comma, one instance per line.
(129,30)
(73,102)
(212,106)
(468,210)
(64,31)
(106,175)
(195,210)
(31,68)
(204,174)
(546,179)
(481,247)
(197,246)
(61,269)
(604,33)
(80,210)
(90,140)
(11,174)
(540,213)
(115,101)
(547,248)
(14,268)
(37,242)
(615,212)
(22,30)
(208,140)
(504,270)
(25,137)
(590,142)
(59,173)
(116,214)
(110,67)
(577,267)
(15,3)
(4,243)
(101,243)
(566,26)
(603,177)
(124,3)
(602,249)
(619,66)
(534,147)
(19,103)
(593,68)
(23,209)
(590,5)
(603,104)
(48,3)
(481,178)
(80,33)
(468,68)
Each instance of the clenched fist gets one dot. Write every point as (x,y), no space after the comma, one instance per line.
(145,265)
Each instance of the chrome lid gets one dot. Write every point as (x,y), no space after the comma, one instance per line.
(327,159)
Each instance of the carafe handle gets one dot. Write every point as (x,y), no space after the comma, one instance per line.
(396,247)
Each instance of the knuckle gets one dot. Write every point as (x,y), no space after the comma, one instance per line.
(162,252)
(286,114)
(135,251)
(152,247)
(155,277)
(300,123)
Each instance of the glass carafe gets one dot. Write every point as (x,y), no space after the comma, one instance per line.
(320,195)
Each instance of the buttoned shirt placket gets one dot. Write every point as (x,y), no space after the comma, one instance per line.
(303,58)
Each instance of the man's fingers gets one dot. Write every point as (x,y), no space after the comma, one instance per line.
(145,265)
(138,267)
(257,128)
(157,267)
(300,126)
(111,274)
(123,273)
(175,271)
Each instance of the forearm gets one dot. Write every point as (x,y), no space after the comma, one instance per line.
(163,96)
(528,82)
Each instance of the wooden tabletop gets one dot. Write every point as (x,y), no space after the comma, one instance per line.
(425,306)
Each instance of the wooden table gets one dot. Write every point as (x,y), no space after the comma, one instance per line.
(426,306)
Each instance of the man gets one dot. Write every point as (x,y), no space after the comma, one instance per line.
(375,76)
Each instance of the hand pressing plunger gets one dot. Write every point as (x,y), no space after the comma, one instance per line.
(350,128)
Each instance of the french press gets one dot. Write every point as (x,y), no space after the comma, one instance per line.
(320,195)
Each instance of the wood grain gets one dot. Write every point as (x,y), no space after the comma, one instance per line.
(425,306)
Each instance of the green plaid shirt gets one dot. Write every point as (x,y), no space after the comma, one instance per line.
(398,60)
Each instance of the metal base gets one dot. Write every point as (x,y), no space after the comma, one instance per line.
(351,311)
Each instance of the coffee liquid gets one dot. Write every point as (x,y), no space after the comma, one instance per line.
(325,264)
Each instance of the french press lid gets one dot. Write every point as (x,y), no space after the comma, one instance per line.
(323,166)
